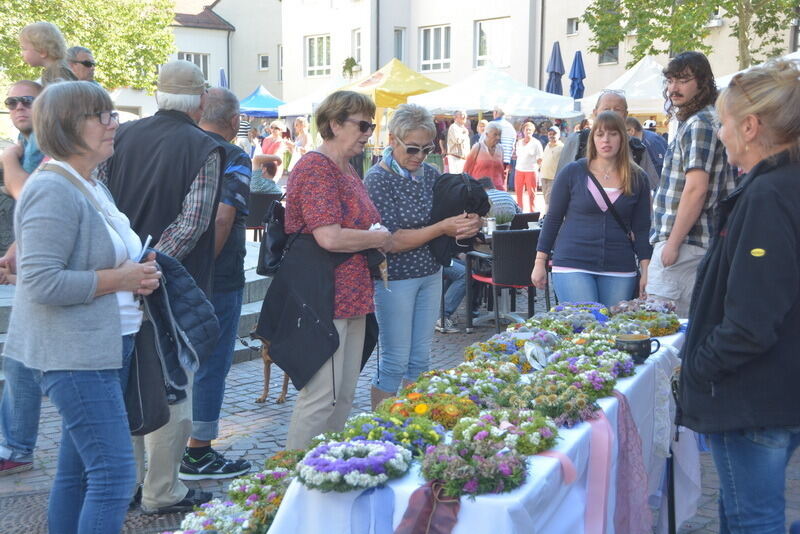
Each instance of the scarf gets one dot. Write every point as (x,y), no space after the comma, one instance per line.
(388,159)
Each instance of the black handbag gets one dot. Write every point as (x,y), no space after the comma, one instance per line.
(146,394)
(274,241)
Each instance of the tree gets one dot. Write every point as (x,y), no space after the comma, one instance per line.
(662,26)
(129,38)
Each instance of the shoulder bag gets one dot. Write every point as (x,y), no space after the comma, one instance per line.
(274,241)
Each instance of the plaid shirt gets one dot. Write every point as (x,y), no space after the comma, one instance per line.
(695,146)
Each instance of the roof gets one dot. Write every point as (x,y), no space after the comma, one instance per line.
(198,14)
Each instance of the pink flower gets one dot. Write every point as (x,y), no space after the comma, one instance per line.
(481,435)
(471,486)
(504,469)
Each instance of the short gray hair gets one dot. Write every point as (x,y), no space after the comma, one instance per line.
(72,53)
(172,102)
(59,113)
(221,106)
(493,126)
(410,117)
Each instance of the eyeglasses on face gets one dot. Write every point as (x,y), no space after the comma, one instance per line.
(413,150)
(86,63)
(12,102)
(363,126)
(105,117)
(683,80)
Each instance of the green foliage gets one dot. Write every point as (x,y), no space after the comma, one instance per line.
(129,38)
(659,26)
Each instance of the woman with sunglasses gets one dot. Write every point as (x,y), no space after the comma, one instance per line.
(274,145)
(74,315)
(401,186)
(486,157)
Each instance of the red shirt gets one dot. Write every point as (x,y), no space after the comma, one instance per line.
(319,194)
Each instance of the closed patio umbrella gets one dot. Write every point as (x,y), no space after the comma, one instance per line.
(555,70)
(577,74)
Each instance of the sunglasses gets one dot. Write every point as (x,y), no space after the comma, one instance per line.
(12,101)
(105,117)
(413,150)
(86,63)
(363,126)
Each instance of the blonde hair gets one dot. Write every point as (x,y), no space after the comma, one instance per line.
(45,37)
(526,124)
(771,93)
(610,120)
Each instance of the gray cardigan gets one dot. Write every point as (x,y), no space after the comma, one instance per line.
(56,321)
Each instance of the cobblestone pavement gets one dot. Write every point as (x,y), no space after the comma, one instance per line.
(256,431)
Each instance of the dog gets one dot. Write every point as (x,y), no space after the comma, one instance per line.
(268,371)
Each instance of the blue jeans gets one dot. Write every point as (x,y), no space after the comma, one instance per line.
(752,477)
(406,314)
(583,287)
(96,471)
(19,412)
(209,381)
(455,281)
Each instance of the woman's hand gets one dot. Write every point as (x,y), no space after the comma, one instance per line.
(461,226)
(539,274)
(643,265)
(383,239)
(140,278)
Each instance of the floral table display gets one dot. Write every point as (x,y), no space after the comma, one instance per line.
(657,323)
(262,493)
(555,323)
(479,381)
(474,468)
(443,408)
(526,431)
(353,465)
(414,433)
(597,309)
(646,304)
(221,517)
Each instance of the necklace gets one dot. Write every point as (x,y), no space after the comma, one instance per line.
(606,174)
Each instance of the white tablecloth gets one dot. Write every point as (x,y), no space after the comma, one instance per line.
(544,504)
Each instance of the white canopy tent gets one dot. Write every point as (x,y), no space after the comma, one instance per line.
(723,81)
(306,105)
(487,88)
(643,85)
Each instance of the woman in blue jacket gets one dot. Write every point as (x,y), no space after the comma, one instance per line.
(593,256)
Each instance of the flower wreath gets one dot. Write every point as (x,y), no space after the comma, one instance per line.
(479,381)
(597,309)
(544,321)
(443,408)
(657,323)
(526,431)
(353,465)
(414,433)
(565,403)
(262,493)
(508,347)
(220,516)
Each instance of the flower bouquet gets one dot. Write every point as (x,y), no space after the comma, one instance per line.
(657,323)
(562,401)
(443,408)
(286,459)
(479,381)
(526,431)
(475,468)
(414,433)
(222,517)
(262,493)
(555,323)
(353,465)
(597,309)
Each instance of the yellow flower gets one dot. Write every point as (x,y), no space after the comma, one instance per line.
(421,408)
(449,409)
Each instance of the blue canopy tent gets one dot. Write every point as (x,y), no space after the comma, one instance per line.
(555,69)
(577,73)
(260,103)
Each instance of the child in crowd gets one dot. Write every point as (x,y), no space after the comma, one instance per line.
(43,45)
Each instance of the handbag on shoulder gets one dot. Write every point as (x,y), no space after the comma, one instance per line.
(274,241)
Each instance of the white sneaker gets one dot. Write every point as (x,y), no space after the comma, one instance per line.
(448,328)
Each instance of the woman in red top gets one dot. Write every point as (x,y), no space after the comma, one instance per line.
(486,157)
(326,195)
(274,145)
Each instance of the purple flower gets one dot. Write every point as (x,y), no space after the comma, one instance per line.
(471,486)
(504,469)
(481,435)
(545,432)
(252,497)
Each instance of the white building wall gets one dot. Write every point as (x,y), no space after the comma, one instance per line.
(204,41)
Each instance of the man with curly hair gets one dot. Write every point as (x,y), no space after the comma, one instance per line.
(695,177)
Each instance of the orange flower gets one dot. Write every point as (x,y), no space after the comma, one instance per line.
(420,409)
(580,341)
(414,395)
(449,409)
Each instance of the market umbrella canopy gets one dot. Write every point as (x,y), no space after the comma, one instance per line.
(260,103)
(555,69)
(392,84)
(486,88)
(577,73)
(643,86)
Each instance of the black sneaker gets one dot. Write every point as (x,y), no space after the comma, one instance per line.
(193,499)
(212,465)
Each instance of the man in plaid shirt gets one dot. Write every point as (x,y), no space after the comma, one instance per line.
(695,177)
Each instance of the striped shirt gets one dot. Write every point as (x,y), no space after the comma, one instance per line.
(244,129)
(695,145)
(502,204)
(508,136)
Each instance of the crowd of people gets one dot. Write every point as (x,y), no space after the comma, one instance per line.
(709,223)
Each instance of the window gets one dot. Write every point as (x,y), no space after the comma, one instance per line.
(435,49)
(201,60)
(280,63)
(572,26)
(400,43)
(492,43)
(355,50)
(318,55)
(263,61)
(611,55)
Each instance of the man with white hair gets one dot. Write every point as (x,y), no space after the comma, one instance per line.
(457,143)
(165,175)
(81,62)
(508,137)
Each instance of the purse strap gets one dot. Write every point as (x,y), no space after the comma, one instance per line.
(614,213)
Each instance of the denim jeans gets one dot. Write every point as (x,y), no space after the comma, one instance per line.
(455,282)
(752,477)
(209,381)
(96,471)
(406,314)
(583,287)
(19,412)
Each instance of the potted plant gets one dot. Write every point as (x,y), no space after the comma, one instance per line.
(350,67)
(503,220)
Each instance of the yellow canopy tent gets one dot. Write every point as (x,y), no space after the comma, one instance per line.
(392,84)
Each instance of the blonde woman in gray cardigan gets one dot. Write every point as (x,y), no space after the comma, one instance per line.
(74,313)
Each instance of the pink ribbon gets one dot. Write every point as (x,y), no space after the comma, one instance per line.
(599,475)
(567,467)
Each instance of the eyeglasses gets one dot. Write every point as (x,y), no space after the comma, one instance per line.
(86,63)
(105,117)
(679,81)
(12,101)
(619,92)
(413,150)
(363,126)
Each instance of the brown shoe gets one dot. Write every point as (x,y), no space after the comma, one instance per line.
(9,467)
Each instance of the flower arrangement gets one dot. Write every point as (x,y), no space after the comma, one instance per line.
(353,465)
(526,431)
(591,350)
(286,459)
(414,433)
(657,323)
(647,304)
(508,347)
(443,408)
(564,402)
(479,381)
(475,468)
(262,493)
(544,321)
(222,517)
(596,382)
(597,309)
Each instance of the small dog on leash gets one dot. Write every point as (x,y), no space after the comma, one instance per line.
(268,371)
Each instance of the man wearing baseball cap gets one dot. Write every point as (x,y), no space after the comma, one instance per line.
(165,175)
